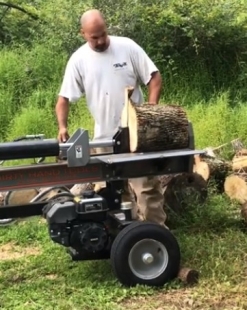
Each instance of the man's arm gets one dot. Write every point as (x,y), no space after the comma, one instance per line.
(147,72)
(62,112)
(71,90)
(154,88)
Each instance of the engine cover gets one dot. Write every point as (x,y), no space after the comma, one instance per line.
(90,236)
(78,222)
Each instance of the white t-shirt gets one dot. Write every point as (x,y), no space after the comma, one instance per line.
(103,76)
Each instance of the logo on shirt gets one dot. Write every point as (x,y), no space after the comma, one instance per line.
(120,65)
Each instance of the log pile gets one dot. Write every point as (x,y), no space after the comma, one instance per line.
(229,176)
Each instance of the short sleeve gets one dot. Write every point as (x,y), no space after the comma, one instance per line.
(72,84)
(142,63)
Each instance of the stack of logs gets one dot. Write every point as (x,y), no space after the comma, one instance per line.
(229,176)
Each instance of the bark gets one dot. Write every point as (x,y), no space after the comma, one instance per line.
(188,275)
(155,128)
(185,190)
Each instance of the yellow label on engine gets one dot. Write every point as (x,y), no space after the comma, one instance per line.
(77,198)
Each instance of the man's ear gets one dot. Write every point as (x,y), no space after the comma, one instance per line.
(82,33)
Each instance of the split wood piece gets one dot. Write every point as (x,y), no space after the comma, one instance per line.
(213,170)
(200,167)
(212,167)
(2,197)
(185,190)
(127,100)
(236,188)
(244,212)
(78,189)
(239,163)
(154,128)
(242,152)
(188,275)
(20,197)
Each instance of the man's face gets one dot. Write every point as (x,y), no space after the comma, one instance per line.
(97,37)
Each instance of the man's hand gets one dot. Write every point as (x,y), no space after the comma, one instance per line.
(63,135)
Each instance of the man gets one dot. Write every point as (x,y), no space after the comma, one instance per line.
(101,69)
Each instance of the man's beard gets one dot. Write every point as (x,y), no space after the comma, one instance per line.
(100,48)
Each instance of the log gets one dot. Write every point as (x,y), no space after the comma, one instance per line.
(213,170)
(239,163)
(185,190)
(200,167)
(164,180)
(188,275)
(78,189)
(242,152)
(212,167)
(236,188)
(154,128)
(20,197)
(2,198)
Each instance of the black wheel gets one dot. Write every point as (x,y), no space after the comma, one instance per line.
(145,253)
(7,222)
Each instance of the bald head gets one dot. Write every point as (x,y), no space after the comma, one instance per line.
(92,17)
(94,30)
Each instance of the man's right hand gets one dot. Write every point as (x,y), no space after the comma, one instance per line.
(63,135)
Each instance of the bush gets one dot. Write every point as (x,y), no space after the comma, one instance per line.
(189,38)
(199,46)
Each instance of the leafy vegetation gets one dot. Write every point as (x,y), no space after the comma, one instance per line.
(200,47)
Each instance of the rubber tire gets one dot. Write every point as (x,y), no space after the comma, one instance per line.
(132,234)
(8,223)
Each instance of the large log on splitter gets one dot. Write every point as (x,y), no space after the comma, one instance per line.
(154,128)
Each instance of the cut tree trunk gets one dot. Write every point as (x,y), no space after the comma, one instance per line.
(185,190)
(212,167)
(239,163)
(155,128)
(20,197)
(78,189)
(188,275)
(236,188)
(201,168)
(213,170)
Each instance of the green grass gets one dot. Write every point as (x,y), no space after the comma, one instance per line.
(38,274)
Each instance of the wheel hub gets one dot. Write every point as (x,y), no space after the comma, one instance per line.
(148,259)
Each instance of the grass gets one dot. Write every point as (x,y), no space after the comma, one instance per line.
(36,274)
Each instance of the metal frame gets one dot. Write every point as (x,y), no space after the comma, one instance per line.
(113,168)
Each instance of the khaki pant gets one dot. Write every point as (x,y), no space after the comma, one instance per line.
(149,202)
